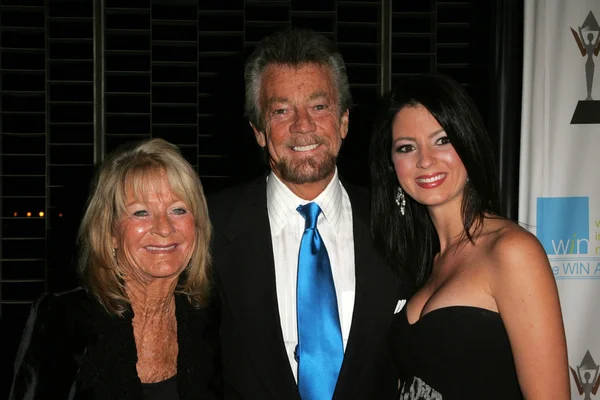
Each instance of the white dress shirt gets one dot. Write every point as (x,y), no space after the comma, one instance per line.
(287,226)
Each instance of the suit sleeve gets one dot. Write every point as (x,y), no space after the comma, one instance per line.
(43,367)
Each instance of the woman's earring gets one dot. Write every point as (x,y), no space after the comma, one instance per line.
(114,253)
(400,200)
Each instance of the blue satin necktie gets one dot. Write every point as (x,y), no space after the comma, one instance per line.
(320,348)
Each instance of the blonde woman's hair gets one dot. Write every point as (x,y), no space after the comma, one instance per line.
(137,168)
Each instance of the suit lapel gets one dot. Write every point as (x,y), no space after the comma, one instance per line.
(251,292)
(371,298)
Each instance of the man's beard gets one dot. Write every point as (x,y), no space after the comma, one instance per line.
(308,170)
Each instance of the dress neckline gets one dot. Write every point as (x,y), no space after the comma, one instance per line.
(449,308)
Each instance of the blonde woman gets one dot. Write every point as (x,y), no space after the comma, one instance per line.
(139,327)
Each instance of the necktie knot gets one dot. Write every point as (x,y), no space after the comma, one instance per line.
(310,212)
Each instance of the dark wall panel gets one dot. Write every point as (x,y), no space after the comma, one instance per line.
(174,69)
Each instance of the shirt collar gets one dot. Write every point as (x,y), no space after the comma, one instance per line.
(282,202)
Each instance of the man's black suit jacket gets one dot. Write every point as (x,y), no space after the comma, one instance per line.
(254,361)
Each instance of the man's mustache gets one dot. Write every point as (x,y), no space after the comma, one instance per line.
(305,140)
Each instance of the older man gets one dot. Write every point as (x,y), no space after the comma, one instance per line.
(306,300)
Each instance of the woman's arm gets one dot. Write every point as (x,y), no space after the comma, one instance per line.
(42,365)
(525,292)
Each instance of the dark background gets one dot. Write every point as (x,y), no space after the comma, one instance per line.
(80,77)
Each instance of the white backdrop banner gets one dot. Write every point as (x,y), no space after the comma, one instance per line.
(559,190)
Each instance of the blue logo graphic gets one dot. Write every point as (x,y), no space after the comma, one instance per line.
(563,225)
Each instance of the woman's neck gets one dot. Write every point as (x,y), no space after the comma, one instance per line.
(448,223)
(154,328)
(149,299)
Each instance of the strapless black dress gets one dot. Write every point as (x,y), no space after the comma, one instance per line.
(452,353)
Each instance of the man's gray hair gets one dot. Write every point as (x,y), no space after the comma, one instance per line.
(293,48)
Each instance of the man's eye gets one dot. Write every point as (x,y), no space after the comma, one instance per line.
(140,213)
(279,111)
(321,107)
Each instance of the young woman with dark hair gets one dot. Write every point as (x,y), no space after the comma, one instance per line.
(485,321)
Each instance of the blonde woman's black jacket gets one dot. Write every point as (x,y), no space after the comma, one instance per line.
(72,349)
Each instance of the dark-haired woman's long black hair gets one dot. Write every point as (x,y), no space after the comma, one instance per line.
(410,241)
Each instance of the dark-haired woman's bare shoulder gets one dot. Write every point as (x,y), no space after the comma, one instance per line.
(524,290)
(514,256)
(509,245)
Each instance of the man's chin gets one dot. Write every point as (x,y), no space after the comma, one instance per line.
(306,172)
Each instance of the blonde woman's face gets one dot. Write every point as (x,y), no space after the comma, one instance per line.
(156,236)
